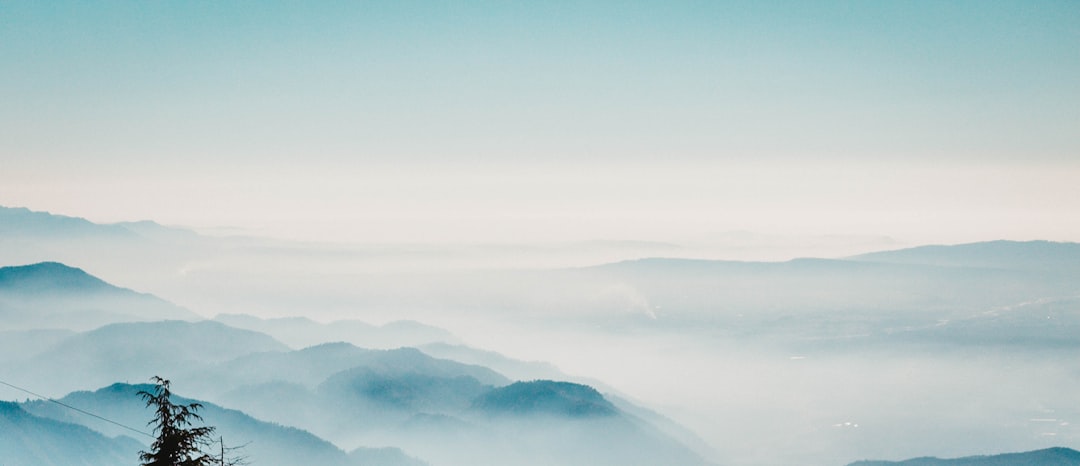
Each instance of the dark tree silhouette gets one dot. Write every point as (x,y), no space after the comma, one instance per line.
(178,443)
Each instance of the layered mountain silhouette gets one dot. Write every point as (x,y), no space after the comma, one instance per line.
(344,392)
(364,399)
(512,368)
(263,443)
(30,440)
(138,350)
(999,292)
(300,332)
(54,295)
(808,285)
(1048,457)
(536,423)
(28,226)
(51,278)
(314,364)
(568,424)
(20,222)
(1035,256)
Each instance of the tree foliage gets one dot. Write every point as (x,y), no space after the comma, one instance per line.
(178,443)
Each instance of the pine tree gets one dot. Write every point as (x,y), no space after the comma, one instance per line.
(177,443)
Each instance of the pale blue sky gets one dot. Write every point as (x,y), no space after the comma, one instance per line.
(547,120)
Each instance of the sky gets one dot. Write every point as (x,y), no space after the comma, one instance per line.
(436,121)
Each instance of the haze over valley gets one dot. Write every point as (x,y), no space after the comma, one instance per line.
(469,233)
(891,354)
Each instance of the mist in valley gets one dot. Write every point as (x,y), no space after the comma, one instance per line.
(962,351)
(384,233)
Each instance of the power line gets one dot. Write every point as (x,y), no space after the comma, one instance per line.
(110,421)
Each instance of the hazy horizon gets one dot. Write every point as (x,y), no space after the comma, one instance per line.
(469,165)
(928,122)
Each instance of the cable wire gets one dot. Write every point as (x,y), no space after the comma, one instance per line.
(110,421)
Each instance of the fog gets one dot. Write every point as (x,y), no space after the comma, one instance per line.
(448,233)
(759,403)
(814,362)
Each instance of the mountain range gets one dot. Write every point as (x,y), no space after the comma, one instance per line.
(1046,457)
(299,332)
(263,443)
(29,440)
(368,400)
(54,295)
(348,392)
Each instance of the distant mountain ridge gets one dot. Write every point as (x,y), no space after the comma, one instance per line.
(300,332)
(23,222)
(52,277)
(20,221)
(1023,255)
(55,295)
(913,287)
(1057,456)
(1007,254)
(139,350)
(313,365)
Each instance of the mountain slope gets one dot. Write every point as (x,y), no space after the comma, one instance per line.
(51,277)
(311,366)
(29,440)
(338,384)
(266,444)
(545,397)
(23,222)
(541,423)
(138,350)
(302,332)
(54,295)
(437,411)
(512,368)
